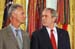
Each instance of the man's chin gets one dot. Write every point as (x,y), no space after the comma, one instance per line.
(22,22)
(44,25)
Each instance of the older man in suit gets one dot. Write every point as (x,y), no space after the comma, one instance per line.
(50,36)
(12,37)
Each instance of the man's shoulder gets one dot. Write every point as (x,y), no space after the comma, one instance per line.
(39,31)
(25,33)
(62,30)
(4,30)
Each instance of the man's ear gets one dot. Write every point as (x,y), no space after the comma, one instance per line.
(10,18)
(54,19)
(13,14)
(54,14)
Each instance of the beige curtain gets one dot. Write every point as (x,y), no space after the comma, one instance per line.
(72,22)
(2,4)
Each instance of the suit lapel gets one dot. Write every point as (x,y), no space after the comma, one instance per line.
(59,38)
(25,40)
(12,37)
(47,38)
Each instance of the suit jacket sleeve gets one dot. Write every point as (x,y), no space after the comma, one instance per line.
(28,41)
(64,40)
(67,41)
(34,41)
(1,41)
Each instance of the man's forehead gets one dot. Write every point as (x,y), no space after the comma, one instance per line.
(45,11)
(18,9)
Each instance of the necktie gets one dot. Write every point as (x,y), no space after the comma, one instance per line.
(53,40)
(20,44)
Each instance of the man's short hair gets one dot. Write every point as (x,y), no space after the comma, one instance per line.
(12,8)
(53,12)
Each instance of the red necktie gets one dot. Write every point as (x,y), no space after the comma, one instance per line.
(53,40)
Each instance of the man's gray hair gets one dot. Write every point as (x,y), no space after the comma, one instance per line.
(12,8)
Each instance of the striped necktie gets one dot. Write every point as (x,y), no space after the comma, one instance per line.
(53,40)
(20,43)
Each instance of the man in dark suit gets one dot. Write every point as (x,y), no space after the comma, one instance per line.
(12,37)
(50,36)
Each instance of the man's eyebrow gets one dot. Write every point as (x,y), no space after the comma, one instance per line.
(44,15)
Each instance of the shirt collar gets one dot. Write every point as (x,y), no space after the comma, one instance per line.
(54,28)
(13,29)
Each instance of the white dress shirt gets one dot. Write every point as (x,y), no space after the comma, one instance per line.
(55,34)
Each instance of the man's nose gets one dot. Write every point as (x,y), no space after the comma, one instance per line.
(24,16)
(43,17)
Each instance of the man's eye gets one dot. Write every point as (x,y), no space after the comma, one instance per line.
(44,15)
(22,13)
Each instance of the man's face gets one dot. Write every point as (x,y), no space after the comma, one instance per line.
(47,18)
(19,15)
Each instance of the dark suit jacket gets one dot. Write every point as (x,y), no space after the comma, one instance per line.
(8,40)
(40,39)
